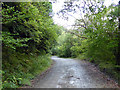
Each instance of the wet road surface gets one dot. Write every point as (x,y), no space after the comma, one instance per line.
(70,73)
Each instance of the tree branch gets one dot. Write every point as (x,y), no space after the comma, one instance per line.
(76,34)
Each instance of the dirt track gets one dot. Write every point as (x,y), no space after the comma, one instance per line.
(70,73)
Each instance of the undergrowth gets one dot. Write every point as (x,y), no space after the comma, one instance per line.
(107,67)
(22,69)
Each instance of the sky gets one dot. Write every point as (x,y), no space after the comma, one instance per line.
(67,24)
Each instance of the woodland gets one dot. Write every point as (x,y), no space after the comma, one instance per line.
(30,37)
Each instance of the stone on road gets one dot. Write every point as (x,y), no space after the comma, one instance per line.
(71,73)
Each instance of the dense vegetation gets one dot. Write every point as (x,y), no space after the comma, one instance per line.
(28,33)
(29,36)
(95,37)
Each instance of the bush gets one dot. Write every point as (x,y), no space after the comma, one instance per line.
(24,70)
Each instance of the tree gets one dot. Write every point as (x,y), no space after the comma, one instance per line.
(28,35)
(99,25)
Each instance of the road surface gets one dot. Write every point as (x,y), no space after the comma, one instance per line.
(71,73)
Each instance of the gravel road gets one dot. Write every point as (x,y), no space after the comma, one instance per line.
(71,73)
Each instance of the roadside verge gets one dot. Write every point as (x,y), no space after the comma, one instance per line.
(39,76)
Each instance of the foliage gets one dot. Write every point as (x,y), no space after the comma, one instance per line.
(99,25)
(28,33)
(21,73)
(28,22)
(67,45)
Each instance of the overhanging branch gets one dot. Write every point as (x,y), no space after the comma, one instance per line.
(76,34)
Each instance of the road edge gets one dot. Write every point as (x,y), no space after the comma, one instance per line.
(39,76)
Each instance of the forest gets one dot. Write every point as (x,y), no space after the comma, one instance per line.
(28,33)
(30,37)
(95,37)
